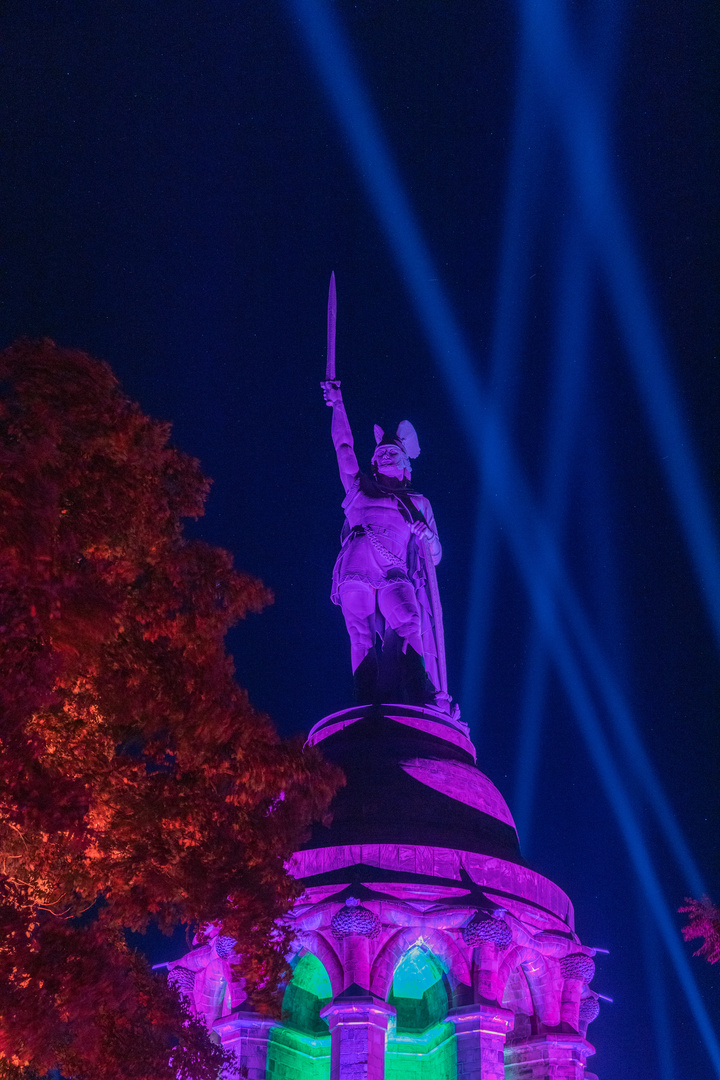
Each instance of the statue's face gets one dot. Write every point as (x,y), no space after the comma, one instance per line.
(390,460)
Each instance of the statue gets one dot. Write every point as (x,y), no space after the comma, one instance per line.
(384,577)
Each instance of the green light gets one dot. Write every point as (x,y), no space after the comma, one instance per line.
(423,1047)
(430,1056)
(310,974)
(291,1054)
(416,973)
(306,993)
(419,993)
(301,1047)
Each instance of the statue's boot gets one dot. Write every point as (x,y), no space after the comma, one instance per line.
(365,679)
(419,689)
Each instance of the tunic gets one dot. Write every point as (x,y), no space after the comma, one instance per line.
(378,548)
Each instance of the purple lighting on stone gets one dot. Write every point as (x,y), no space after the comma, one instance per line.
(462,782)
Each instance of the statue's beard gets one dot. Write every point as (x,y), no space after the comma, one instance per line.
(390,481)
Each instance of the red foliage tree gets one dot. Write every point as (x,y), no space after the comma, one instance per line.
(704,923)
(134,774)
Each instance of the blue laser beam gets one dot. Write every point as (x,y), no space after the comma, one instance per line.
(504,363)
(590,726)
(569,371)
(571,360)
(572,99)
(657,992)
(482,425)
(488,438)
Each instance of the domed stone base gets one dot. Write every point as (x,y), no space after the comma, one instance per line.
(425,945)
(411,780)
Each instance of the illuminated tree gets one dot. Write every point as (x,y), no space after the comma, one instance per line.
(137,783)
(704,923)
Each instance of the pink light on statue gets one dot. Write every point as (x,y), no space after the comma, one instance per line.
(384,575)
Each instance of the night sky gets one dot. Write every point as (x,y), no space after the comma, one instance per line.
(176,188)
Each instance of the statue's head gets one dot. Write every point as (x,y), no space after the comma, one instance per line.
(393,452)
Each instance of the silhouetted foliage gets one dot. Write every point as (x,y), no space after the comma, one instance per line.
(704,923)
(132,766)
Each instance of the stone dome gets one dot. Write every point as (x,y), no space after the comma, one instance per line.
(411,779)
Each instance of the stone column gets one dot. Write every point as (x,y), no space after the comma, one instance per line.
(354,926)
(358,1032)
(577,970)
(489,936)
(247,1034)
(356,961)
(485,971)
(480,1032)
(570,1002)
(552,1056)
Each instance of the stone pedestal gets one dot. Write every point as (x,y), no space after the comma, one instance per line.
(358,1031)
(552,1056)
(480,1032)
(247,1034)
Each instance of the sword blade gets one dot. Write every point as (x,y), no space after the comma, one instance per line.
(331,321)
(437,615)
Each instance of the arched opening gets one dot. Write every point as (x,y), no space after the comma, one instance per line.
(306,993)
(300,1046)
(421,1045)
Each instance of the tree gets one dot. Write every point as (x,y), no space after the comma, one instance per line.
(704,923)
(137,782)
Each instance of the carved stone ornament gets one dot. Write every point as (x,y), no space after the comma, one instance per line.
(483,927)
(589,1008)
(355,919)
(578,966)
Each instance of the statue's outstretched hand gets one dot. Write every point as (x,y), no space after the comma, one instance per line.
(422,531)
(331,392)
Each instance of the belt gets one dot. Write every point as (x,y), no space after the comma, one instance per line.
(371,532)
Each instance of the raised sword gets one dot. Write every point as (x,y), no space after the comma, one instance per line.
(331,321)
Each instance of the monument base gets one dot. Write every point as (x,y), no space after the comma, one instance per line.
(424,944)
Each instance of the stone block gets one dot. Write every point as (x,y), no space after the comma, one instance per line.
(552,1056)
(480,1032)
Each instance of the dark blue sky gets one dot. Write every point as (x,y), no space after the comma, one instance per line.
(175,192)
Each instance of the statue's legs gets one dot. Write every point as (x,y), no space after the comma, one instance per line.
(358,607)
(357,600)
(398,606)
(397,603)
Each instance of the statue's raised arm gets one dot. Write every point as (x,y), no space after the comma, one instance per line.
(341,433)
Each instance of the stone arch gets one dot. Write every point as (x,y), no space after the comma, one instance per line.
(541,980)
(305,995)
(437,942)
(420,991)
(300,1044)
(314,942)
